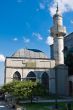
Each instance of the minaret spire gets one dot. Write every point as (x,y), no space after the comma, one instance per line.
(57,10)
(57,7)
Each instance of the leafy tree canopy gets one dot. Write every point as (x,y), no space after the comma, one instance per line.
(24,89)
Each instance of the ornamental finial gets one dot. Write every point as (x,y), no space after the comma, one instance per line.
(57,8)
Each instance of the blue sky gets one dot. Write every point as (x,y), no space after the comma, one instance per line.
(26,23)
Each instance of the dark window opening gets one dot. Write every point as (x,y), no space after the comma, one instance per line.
(16,76)
(31,76)
(45,80)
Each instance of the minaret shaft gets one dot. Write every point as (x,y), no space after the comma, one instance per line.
(58,32)
(58,50)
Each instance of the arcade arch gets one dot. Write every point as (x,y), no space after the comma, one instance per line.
(45,80)
(31,76)
(17,76)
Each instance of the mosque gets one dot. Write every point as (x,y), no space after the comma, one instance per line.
(33,64)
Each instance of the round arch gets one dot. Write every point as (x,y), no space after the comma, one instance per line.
(45,80)
(17,76)
(31,76)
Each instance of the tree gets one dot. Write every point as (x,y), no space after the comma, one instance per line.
(24,89)
(39,90)
(9,87)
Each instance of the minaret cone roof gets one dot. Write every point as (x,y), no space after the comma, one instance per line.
(57,12)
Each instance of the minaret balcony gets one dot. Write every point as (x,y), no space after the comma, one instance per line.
(58,30)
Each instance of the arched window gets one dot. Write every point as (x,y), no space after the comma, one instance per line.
(31,76)
(16,76)
(45,80)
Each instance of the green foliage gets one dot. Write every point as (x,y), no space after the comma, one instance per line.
(39,90)
(9,87)
(24,89)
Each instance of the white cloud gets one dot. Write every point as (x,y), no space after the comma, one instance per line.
(71,21)
(49,40)
(38,35)
(26,40)
(42,6)
(49,30)
(2,58)
(64,6)
(15,39)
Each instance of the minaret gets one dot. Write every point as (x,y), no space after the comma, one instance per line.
(58,31)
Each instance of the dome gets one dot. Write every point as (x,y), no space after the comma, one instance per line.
(29,53)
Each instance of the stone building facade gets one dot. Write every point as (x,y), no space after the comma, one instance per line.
(30,64)
(33,64)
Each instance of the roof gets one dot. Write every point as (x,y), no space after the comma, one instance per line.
(68,36)
(29,53)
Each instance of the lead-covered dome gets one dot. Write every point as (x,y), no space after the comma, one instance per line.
(29,53)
